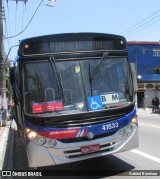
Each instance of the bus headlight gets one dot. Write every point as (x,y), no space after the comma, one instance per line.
(41,141)
(28,130)
(129,127)
(32,135)
(52,143)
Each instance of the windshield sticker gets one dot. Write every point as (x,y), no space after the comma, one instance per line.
(37,108)
(77,69)
(65,133)
(95,103)
(110,98)
(47,107)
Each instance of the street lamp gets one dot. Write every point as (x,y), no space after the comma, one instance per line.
(5,59)
(50,5)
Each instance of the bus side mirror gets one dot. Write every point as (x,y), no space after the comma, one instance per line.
(134,77)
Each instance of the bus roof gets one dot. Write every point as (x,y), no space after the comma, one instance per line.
(70,42)
(73,35)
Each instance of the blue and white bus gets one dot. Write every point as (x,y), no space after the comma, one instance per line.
(75,97)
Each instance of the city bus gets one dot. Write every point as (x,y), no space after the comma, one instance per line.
(74,95)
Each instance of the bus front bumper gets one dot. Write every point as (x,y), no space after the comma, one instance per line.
(39,156)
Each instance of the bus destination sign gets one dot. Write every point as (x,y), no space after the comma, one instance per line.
(43,47)
(79,46)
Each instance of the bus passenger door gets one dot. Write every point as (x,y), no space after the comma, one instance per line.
(16,95)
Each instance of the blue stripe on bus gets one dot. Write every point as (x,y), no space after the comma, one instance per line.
(95,129)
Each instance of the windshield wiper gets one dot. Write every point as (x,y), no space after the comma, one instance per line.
(98,67)
(90,81)
(58,80)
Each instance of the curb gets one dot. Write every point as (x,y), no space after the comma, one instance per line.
(10,152)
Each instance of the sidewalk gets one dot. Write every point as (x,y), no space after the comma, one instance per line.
(7,146)
(146,110)
(142,111)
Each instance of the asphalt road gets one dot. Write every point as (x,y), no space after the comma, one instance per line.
(149,133)
(146,157)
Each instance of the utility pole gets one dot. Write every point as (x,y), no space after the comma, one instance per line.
(3,99)
(2,65)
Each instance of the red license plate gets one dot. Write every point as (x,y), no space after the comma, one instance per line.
(90,148)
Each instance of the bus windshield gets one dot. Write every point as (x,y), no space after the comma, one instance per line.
(64,87)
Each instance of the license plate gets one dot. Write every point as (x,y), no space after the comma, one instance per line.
(90,148)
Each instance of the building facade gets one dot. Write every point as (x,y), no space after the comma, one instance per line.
(146,56)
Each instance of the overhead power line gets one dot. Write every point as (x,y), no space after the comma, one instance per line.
(143,28)
(50,5)
(22,19)
(27,24)
(25,1)
(143,23)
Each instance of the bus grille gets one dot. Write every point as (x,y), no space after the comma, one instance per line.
(83,139)
(77,153)
(81,121)
(86,121)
